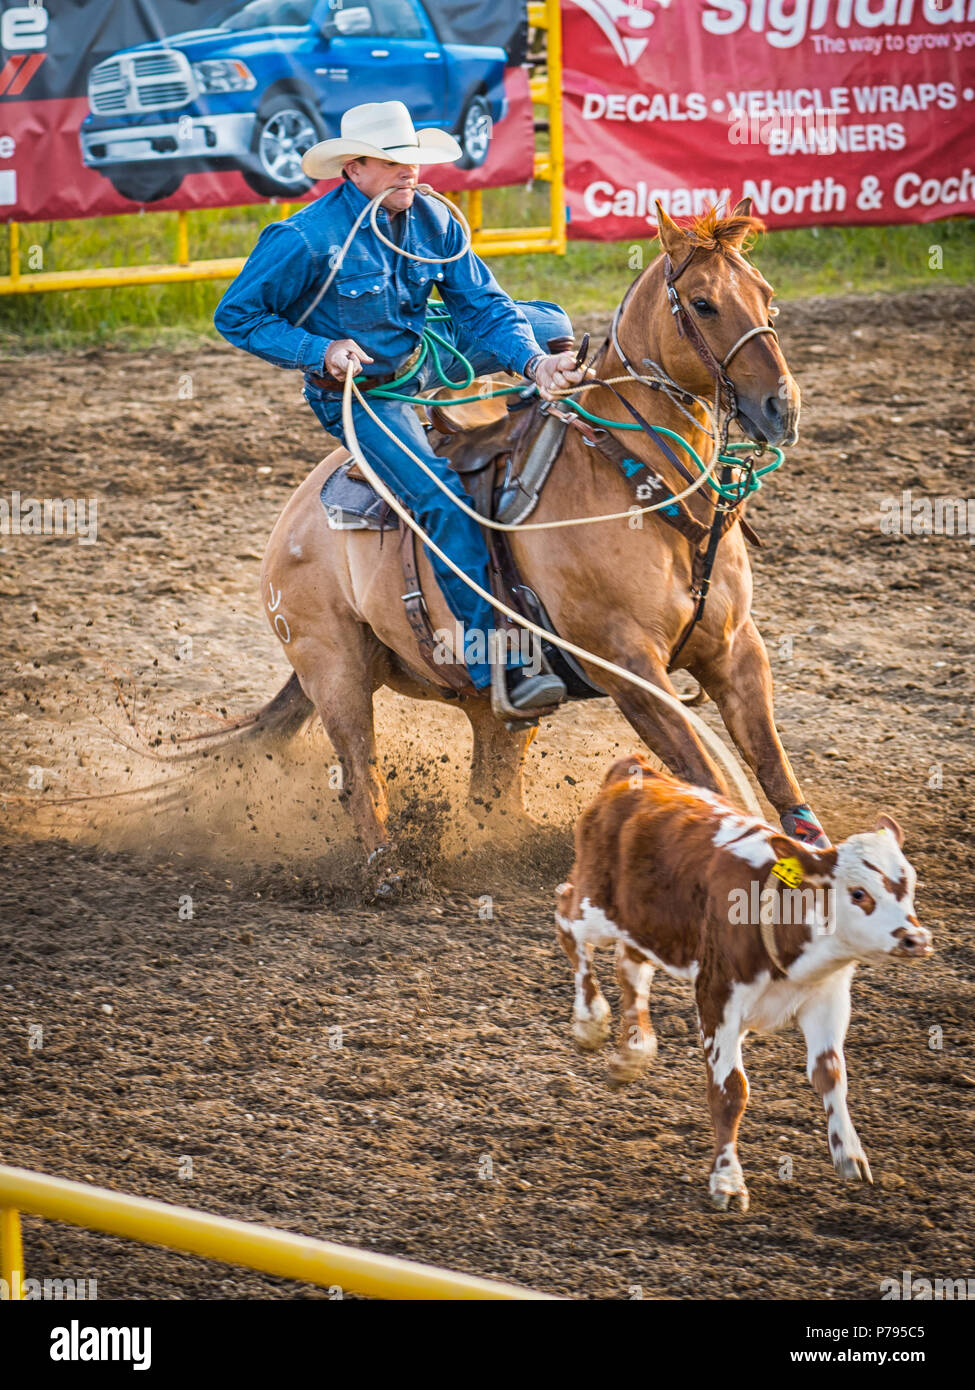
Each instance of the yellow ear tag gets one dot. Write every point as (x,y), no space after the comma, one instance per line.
(789,871)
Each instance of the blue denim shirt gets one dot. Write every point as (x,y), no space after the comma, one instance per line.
(377,297)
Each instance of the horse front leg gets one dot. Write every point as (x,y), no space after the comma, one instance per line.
(739,681)
(665,731)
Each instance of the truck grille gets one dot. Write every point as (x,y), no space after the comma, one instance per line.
(141,82)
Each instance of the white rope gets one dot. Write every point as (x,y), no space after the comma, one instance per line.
(741,783)
(412,255)
(534,525)
(372,208)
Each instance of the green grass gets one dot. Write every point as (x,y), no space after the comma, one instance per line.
(589,279)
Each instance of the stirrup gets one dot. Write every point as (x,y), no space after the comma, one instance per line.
(503,709)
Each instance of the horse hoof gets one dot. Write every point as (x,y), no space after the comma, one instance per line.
(389,888)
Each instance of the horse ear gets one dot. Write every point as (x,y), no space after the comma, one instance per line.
(672,239)
(742,209)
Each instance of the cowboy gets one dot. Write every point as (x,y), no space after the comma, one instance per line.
(372,316)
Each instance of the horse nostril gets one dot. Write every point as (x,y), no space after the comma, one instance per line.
(773,410)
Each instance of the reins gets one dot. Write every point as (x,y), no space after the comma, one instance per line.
(732,490)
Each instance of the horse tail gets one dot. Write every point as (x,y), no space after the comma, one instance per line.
(280,719)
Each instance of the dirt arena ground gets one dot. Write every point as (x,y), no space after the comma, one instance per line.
(402,1077)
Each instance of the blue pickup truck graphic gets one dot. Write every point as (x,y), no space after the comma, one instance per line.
(272,80)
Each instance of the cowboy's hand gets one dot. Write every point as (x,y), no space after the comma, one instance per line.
(340,353)
(557,373)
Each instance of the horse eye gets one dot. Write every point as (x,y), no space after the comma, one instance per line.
(857,894)
(702,307)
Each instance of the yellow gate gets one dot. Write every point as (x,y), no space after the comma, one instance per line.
(546,91)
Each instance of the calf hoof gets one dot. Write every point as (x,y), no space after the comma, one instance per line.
(727,1183)
(591,1032)
(631,1063)
(853,1168)
(721,1200)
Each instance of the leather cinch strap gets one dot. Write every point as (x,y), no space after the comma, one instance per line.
(451,673)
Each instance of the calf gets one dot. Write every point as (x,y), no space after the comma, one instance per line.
(767,929)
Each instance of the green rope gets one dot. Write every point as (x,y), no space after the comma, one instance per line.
(729,492)
(747,483)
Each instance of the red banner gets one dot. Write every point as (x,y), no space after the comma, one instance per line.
(111,106)
(822,111)
(43,178)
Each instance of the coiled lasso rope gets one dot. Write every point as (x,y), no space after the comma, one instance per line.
(735,773)
(371,210)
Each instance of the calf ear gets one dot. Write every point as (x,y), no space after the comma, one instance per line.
(885,822)
(813,861)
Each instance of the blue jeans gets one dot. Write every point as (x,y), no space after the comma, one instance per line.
(456,534)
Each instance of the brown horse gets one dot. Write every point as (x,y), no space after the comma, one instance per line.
(619,590)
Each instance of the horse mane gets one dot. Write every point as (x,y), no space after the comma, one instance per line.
(716,233)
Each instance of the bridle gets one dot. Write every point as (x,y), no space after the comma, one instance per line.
(687,328)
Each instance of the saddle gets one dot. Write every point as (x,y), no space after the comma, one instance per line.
(503,454)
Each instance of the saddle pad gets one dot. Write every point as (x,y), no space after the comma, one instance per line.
(351,505)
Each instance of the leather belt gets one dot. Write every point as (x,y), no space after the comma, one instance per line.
(330,383)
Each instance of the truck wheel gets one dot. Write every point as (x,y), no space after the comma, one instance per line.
(474,135)
(285,130)
(144,185)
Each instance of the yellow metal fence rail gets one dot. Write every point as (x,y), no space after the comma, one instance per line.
(549,165)
(263,1248)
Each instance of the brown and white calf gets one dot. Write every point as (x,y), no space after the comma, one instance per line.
(766,928)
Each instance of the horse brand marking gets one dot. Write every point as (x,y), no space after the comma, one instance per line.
(283,631)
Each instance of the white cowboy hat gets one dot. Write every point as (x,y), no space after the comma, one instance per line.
(379,130)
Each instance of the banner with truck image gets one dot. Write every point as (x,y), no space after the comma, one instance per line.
(109,107)
(823,111)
